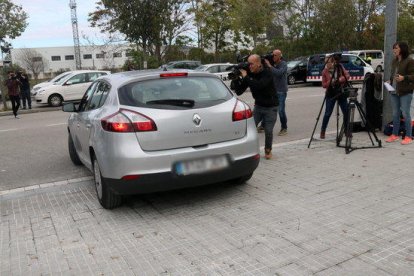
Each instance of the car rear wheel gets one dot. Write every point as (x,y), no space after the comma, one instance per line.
(243,179)
(291,79)
(72,152)
(55,100)
(106,197)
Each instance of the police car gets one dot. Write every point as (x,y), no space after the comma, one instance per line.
(356,67)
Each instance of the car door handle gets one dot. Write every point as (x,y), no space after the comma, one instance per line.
(88,125)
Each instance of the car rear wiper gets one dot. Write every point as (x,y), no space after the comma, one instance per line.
(176,102)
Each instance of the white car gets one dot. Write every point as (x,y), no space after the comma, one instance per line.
(70,88)
(38,86)
(219,69)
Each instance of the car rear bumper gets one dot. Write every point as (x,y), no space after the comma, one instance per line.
(155,182)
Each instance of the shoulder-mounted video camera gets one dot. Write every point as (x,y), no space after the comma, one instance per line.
(243,64)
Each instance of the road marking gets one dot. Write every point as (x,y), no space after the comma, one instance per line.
(45,185)
(10,129)
(56,124)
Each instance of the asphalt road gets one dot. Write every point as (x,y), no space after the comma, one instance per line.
(33,149)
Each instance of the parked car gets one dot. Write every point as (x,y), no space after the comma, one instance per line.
(297,70)
(57,78)
(218,69)
(70,88)
(147,131)
(375,57)
(356,67)
(181,64)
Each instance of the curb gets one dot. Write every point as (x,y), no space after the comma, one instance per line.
(27,111)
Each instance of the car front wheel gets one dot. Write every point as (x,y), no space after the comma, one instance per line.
(55,100)
(106,197)
(291,79)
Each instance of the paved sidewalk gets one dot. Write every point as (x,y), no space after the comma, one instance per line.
(307,211)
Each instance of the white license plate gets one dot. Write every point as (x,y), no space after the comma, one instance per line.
(201,165)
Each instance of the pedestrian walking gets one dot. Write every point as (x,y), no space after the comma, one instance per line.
(12,84)
(279,71)
(260,80)
(402,80)
(24,89)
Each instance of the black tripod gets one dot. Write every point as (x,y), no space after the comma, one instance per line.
(337,71)
(348,127)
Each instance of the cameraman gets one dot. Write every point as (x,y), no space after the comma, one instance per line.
(334,77)
(12,84)
(260,81)
(279,70)
(24,89)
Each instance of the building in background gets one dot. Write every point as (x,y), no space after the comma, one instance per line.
(47,62)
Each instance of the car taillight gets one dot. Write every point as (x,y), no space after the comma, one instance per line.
(241,111)
(171,75)
(128,121)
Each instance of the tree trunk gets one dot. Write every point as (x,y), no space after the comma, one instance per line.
(3,98)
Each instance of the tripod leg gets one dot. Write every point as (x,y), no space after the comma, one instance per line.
(349,128)
(317,120)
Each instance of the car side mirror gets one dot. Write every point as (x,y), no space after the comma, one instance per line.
(69,107)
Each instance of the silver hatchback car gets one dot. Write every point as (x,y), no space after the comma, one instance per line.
(148,131)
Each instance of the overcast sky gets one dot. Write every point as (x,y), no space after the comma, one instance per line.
(50,23)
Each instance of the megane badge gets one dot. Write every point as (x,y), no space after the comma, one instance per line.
(197,119)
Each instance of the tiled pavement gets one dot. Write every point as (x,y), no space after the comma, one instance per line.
(307,211)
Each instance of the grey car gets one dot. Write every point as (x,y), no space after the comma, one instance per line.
(148,131)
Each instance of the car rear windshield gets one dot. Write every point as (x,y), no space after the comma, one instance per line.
(175,93)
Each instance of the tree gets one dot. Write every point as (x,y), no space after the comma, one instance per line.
(150,24)
(32,61)
(12,20)
(12,24)
(214,26)
(250,19)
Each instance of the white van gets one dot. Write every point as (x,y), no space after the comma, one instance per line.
(377,58)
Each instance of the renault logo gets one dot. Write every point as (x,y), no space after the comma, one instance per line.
(197,119)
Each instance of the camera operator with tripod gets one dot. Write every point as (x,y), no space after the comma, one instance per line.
(260,80)
(334,78)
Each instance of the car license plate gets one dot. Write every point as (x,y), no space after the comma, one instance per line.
(201,165)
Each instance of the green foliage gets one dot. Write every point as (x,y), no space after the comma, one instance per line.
(12,20)
(226,27)
(147,23)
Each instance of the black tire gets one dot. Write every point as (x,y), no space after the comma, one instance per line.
(106,197)
(55,100)
(72,152)
(243,179)
(291,79)
(378,69)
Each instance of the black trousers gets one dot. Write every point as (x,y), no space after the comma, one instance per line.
(25,96)
(15,101)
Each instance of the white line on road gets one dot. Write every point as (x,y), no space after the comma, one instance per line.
(56,124)
(10,129)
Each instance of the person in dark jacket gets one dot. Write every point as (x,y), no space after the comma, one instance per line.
(402,79)
(24,89)
(260,80)
(12,84)
(279,70)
